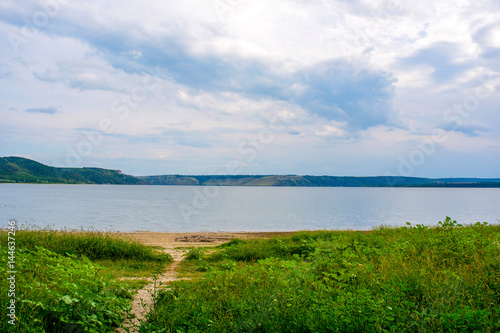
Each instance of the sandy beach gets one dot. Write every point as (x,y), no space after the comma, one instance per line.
(171,240)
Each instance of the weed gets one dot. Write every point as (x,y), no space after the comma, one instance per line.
(95,245)
(195,254)
(67,281)
(63,294)
(414,279)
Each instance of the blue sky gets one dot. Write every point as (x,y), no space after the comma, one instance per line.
(355,88)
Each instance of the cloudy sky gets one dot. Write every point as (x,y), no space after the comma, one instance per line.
(317,87)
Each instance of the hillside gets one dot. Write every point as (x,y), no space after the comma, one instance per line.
(22,170)
(319,181)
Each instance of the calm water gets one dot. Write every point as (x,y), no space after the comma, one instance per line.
(187,208)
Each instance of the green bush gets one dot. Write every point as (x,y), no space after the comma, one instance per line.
(58,293)
(413,279)
(195,254)
(59,288)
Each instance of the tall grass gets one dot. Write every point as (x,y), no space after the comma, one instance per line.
(60,285)
(95,245)
(58,293)
(413,279)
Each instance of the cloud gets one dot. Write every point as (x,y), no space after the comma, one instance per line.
(5,71)
(165,138)
(332,89)
(340,69)
(81,75)
(488,38)
(469,128)
(443,57)
(331,131)
(134,54)
(47,110)
(195,139)
(341,92)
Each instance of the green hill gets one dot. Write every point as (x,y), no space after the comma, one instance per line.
(319,181)
(23,170)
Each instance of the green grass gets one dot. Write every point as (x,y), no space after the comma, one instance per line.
(127,268)
(95,245)
(67,281)
(116,253)
(412,279)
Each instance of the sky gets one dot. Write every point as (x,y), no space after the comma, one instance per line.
(316,87)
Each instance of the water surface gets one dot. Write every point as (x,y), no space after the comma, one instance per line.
(193,208)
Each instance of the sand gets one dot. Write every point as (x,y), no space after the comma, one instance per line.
(170,240)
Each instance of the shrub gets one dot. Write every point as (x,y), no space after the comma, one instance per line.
(414,279)
(58,293)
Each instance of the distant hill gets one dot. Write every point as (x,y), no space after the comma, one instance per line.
(319,181)
(22,170)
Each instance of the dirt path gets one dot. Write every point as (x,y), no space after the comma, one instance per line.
(175,244)
(143,300)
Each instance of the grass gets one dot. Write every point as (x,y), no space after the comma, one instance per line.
(114,252)
(67,281)
(412,279)
(95,245)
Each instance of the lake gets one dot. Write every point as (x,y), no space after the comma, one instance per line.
(194,209)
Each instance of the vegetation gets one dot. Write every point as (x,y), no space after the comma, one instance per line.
(319,181)
(22,170)
(412,279)
(95,245)
(62,284)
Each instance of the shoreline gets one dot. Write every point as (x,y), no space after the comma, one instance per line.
(187,239)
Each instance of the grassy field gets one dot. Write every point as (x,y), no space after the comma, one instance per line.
(412,279)
(68,281)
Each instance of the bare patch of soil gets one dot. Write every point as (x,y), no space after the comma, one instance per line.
(185,239)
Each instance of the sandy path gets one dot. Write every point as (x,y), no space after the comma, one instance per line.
(175,244)
(143,300)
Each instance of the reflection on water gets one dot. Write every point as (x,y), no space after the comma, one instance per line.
(191,208)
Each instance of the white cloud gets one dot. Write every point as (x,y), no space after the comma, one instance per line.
(333,130)
(361,75)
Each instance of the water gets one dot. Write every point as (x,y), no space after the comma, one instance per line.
(193,209)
